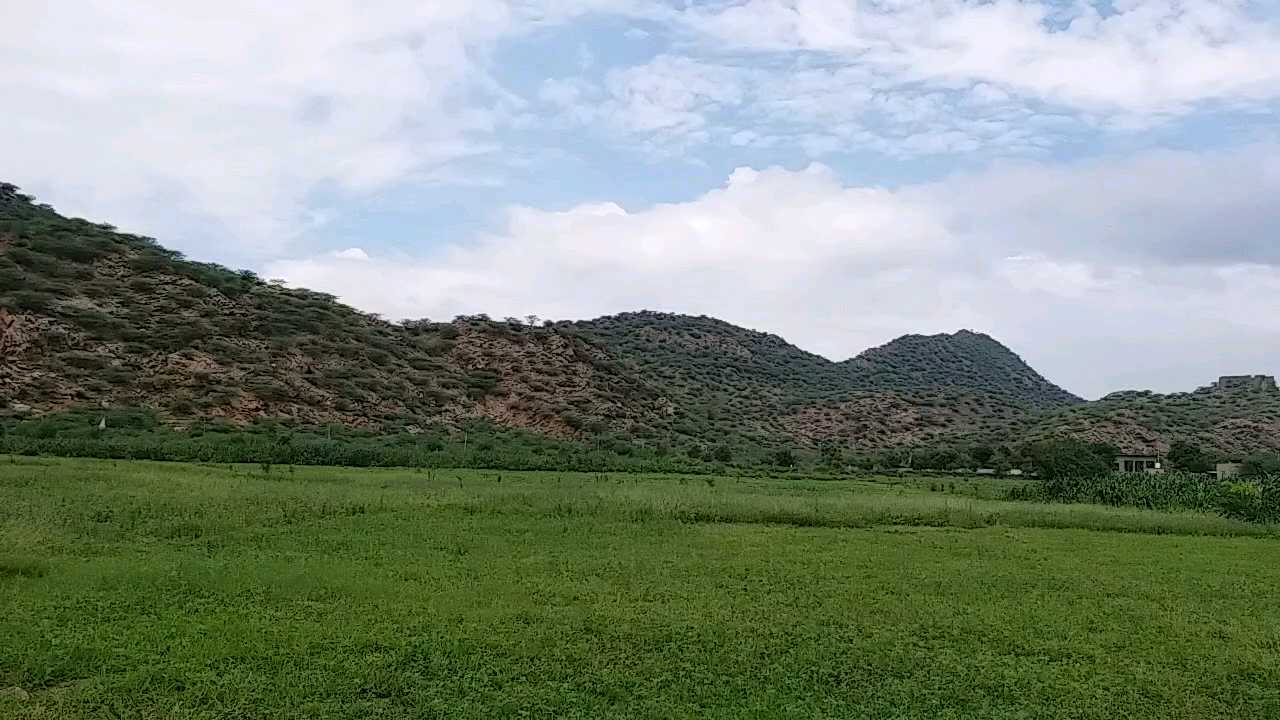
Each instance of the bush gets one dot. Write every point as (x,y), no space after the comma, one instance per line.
(1261,466)
(1240,500)
(783,458)
(32,301)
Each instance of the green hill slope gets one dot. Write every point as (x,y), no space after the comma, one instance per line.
(964,361)
(1234,421)
(91,316)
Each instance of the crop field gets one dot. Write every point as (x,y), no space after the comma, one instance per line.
(149,590)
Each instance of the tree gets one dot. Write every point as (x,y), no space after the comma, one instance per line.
(1261,466)
(934,459)
(722,453)
(417,325)
(831,455)
(1187,456)
(1065,459)
(784,458)
(982,455)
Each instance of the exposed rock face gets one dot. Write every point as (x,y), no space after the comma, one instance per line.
(11,337)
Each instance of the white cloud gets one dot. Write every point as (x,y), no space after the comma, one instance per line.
(669,100)
(173,116)
(837,269)
(1166,207)
(674,102)
(936,77)
(217,124)
(356,254)
(1133,57)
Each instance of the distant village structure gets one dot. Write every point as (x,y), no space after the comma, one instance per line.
(1150,464)
(1226,471)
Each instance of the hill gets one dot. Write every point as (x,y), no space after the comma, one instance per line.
(724,380)
(964,361)
(1235,417)
(89,316)
(92,316)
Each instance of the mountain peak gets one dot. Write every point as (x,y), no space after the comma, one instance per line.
(965,360)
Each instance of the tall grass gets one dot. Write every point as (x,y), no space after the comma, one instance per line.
(169,501)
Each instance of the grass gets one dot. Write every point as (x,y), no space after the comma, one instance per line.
(147,590)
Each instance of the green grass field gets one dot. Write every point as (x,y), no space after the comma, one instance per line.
(141,590)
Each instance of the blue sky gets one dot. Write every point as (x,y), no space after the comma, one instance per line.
(1091,182)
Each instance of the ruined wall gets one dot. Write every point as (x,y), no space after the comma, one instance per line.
(1253,383)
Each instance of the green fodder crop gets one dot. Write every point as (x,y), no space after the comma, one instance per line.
(1255,500)
(1169,491)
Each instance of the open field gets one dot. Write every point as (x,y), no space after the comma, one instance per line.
(145,590)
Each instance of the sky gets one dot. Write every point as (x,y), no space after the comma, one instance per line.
(1092,182)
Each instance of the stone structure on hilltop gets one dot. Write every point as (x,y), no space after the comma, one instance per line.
(1252,383)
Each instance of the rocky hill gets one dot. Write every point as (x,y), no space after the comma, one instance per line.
(727,381)
(964,361)
(723,380)
(92,316)
(1236,416)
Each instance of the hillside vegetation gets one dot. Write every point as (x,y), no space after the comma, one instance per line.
(965,361)
(1235,421)
(915,390)
(90,316)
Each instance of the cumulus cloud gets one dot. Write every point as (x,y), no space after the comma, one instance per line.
(356,254)
(837,268)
